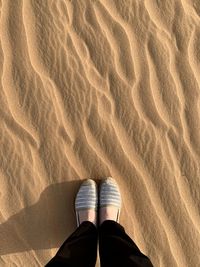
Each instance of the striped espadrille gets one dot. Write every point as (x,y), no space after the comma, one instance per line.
(109,195)
(86,198)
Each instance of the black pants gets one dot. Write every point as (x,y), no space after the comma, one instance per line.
(116,248)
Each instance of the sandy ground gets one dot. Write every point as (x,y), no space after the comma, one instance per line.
(91,89)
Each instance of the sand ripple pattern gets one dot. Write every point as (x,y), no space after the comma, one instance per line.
(93,89)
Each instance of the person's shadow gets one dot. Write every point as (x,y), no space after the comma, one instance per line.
(46,224)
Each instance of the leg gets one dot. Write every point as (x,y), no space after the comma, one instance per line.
(79,250)
(116,248)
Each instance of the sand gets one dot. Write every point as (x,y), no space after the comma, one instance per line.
(91,89)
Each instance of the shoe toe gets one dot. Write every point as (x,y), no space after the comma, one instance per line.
(87,196)
(110,193)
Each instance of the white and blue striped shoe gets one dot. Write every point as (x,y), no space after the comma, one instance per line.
(109,195)
(86,198)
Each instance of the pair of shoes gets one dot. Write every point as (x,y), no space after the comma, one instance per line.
(88,197)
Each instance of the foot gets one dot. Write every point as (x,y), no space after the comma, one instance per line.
(108,213)
(86,202)
(88,215)
(110,201)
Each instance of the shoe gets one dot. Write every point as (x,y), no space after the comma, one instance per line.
(109,195)
(86,198)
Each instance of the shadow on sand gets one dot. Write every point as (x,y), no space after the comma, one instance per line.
(44,225)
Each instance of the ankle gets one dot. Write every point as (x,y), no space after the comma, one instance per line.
(108,213)
(87,215)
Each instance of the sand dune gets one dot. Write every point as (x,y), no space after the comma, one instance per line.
(91,89)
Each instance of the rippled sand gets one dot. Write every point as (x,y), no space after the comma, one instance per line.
(91,89)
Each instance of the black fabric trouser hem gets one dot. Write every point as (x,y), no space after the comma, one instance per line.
(116,248)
